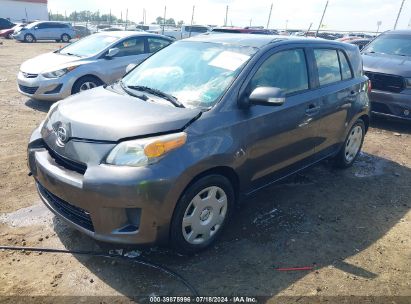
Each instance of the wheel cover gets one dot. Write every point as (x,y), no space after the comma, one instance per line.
(353,144)
(87,86)
(65,38)
(204,215)
(29,38)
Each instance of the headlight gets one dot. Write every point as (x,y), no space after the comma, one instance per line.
(141,152)
(408,83)
(59,73)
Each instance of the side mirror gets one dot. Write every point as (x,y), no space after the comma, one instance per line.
(112,52)
(267,96)
(130,67)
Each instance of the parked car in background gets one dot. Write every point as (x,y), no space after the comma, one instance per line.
(361,43)
(151,28)
(165,154)
(186,31)
(241,30)
(95,60)
(387,63)
(7,33)
(45,30)
(6,24)
(81,31)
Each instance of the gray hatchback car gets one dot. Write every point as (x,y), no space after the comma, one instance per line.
(166,153)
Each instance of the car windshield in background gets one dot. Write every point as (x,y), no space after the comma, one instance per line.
(195,73)
(89,46)
(391,44)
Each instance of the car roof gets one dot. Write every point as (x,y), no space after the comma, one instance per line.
(256,41)
(125,34)
(401,32)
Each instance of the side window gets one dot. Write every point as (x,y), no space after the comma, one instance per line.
(328,66)
(345,67)
(286,70)
(42,26)
(155,44)
(130,47)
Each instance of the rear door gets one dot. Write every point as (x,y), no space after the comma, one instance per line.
(41,31)
(338,90)
(281,139)
(132,50)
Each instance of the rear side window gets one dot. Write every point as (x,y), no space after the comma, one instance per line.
(328,66)
(286,70)
(345,67)
(155,44)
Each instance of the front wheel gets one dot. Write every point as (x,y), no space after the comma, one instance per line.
(29,38)
(85,83)
(352,145)
(201,214)
(65,38)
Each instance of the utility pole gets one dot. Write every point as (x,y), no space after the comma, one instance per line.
(126,18)
(226,14)
(109,22)
(378,26)
(191,25)
(399,13)
(321,21)
(164,19)
(251,20)
(269,16)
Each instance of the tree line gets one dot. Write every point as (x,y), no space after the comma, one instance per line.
(88,16)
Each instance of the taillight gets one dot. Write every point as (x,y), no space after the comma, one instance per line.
(369,86)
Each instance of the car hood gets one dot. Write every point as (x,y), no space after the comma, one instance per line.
(49,62)
(387,64)
(103,115)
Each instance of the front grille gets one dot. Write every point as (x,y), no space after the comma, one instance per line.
(28,75)
(28,90)
(67,163)
(386,82)
(75,214)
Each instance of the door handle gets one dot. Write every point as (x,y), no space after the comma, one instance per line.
(312,109)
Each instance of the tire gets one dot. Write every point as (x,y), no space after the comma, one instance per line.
(65,38)
(85,83)
(8,36)
(29,38)
(352,145)
(194,228)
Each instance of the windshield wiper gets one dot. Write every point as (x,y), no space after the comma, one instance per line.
(71,54)
(124,87)
(158,93)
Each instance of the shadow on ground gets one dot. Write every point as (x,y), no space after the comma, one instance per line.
(389,124)
(39,105)
(316,218)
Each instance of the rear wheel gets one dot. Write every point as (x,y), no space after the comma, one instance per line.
(85,83)
(65,38)
(352,145)
(29,38)
(201,214)
(8,36)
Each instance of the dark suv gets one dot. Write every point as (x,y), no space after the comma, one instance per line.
(166,153)
(387,63)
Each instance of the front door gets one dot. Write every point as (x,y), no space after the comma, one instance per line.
(132,50)
(281,138)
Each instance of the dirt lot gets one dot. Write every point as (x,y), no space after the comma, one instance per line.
(353,226)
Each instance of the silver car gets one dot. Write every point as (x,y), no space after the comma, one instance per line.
(45,30)
(90,62)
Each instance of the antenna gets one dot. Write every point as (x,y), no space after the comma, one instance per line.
(399,13)
(269,16)
(321,21)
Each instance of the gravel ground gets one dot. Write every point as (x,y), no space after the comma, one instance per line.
(353,227)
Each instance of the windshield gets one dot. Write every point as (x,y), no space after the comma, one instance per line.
(89,46)
(391,44)
(195,73)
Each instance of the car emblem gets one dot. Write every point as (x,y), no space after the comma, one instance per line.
(62,135)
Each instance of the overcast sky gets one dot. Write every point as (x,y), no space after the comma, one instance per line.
(341,14)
